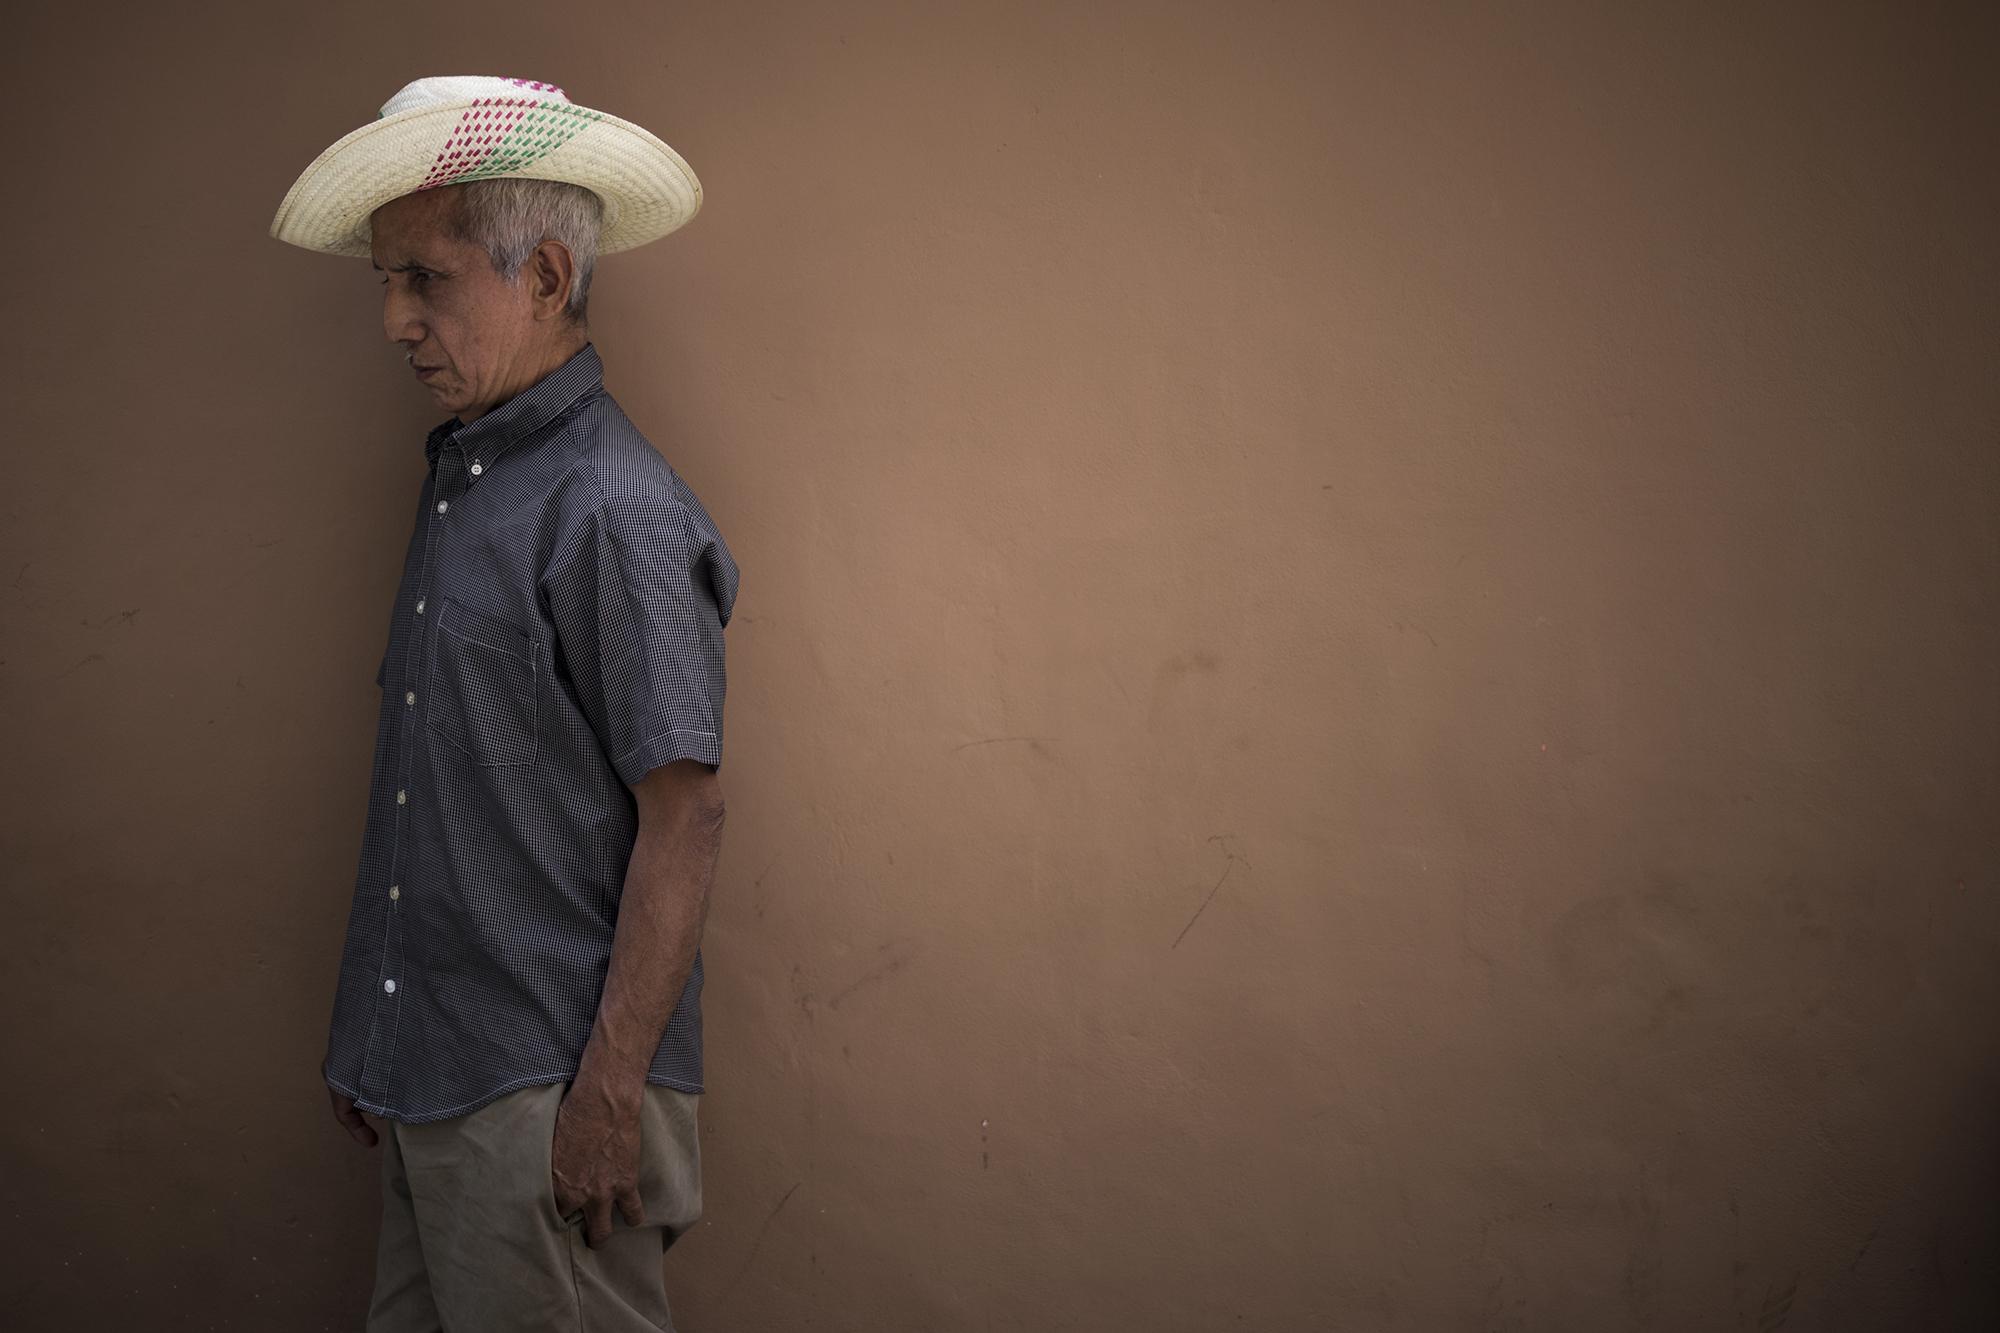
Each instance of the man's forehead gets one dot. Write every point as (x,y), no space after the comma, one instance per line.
(410,247)
(408,232)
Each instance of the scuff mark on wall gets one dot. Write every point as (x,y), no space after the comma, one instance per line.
(758,1243)
(1228,865)
(895,963)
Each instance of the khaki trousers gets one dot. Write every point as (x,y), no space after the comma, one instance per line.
(471,1241)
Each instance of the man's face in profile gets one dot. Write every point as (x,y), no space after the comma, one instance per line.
(463,325)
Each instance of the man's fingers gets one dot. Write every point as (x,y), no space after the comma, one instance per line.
(597,1222)
(350,1119)
(597,1214)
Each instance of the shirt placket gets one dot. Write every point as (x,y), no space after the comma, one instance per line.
(378,1062)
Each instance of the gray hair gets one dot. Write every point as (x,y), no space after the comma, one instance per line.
(508,216)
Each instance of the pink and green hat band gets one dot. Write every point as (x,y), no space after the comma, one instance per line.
(497,136)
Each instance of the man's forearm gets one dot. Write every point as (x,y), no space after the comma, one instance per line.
(660,917)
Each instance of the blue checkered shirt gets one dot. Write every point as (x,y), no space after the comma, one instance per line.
(557,634)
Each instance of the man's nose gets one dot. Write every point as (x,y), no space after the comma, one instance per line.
(399,321)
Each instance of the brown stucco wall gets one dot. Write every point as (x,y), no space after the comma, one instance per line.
(1363,695)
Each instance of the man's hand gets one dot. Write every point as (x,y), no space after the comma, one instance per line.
(344,1112)
(594,1158)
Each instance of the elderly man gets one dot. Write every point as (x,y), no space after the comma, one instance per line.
(519,991)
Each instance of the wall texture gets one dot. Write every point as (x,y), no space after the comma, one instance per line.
(1364,693)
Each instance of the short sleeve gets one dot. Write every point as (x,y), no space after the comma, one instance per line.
(639,595)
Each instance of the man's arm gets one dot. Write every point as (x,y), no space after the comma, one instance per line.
(595,1154)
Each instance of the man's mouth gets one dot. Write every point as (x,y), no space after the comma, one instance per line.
(425,372)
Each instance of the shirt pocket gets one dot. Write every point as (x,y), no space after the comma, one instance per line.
(485,686)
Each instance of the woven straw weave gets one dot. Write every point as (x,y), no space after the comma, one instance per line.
(452,128)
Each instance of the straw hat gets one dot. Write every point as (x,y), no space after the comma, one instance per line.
(461,127)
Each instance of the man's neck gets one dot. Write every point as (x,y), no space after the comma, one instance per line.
(557,355)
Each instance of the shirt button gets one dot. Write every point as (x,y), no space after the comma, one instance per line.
(475,467)
(410,698)
(395,891)
(442,504)
(420,606)
(401,798)
(390,985)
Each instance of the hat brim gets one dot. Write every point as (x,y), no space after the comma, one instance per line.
(647,189)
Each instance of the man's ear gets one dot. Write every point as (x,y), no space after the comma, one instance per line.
(551,268)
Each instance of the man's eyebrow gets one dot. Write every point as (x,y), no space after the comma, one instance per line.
(398,268)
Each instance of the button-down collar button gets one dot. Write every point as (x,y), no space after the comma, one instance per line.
(475,467)
(401,798)
(420,606)
(410,698)
(395,891)
(390,985)
(442,504)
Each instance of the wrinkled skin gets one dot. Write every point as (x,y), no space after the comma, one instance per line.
(446,307)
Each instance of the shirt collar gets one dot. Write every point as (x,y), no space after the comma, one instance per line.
(523,414)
